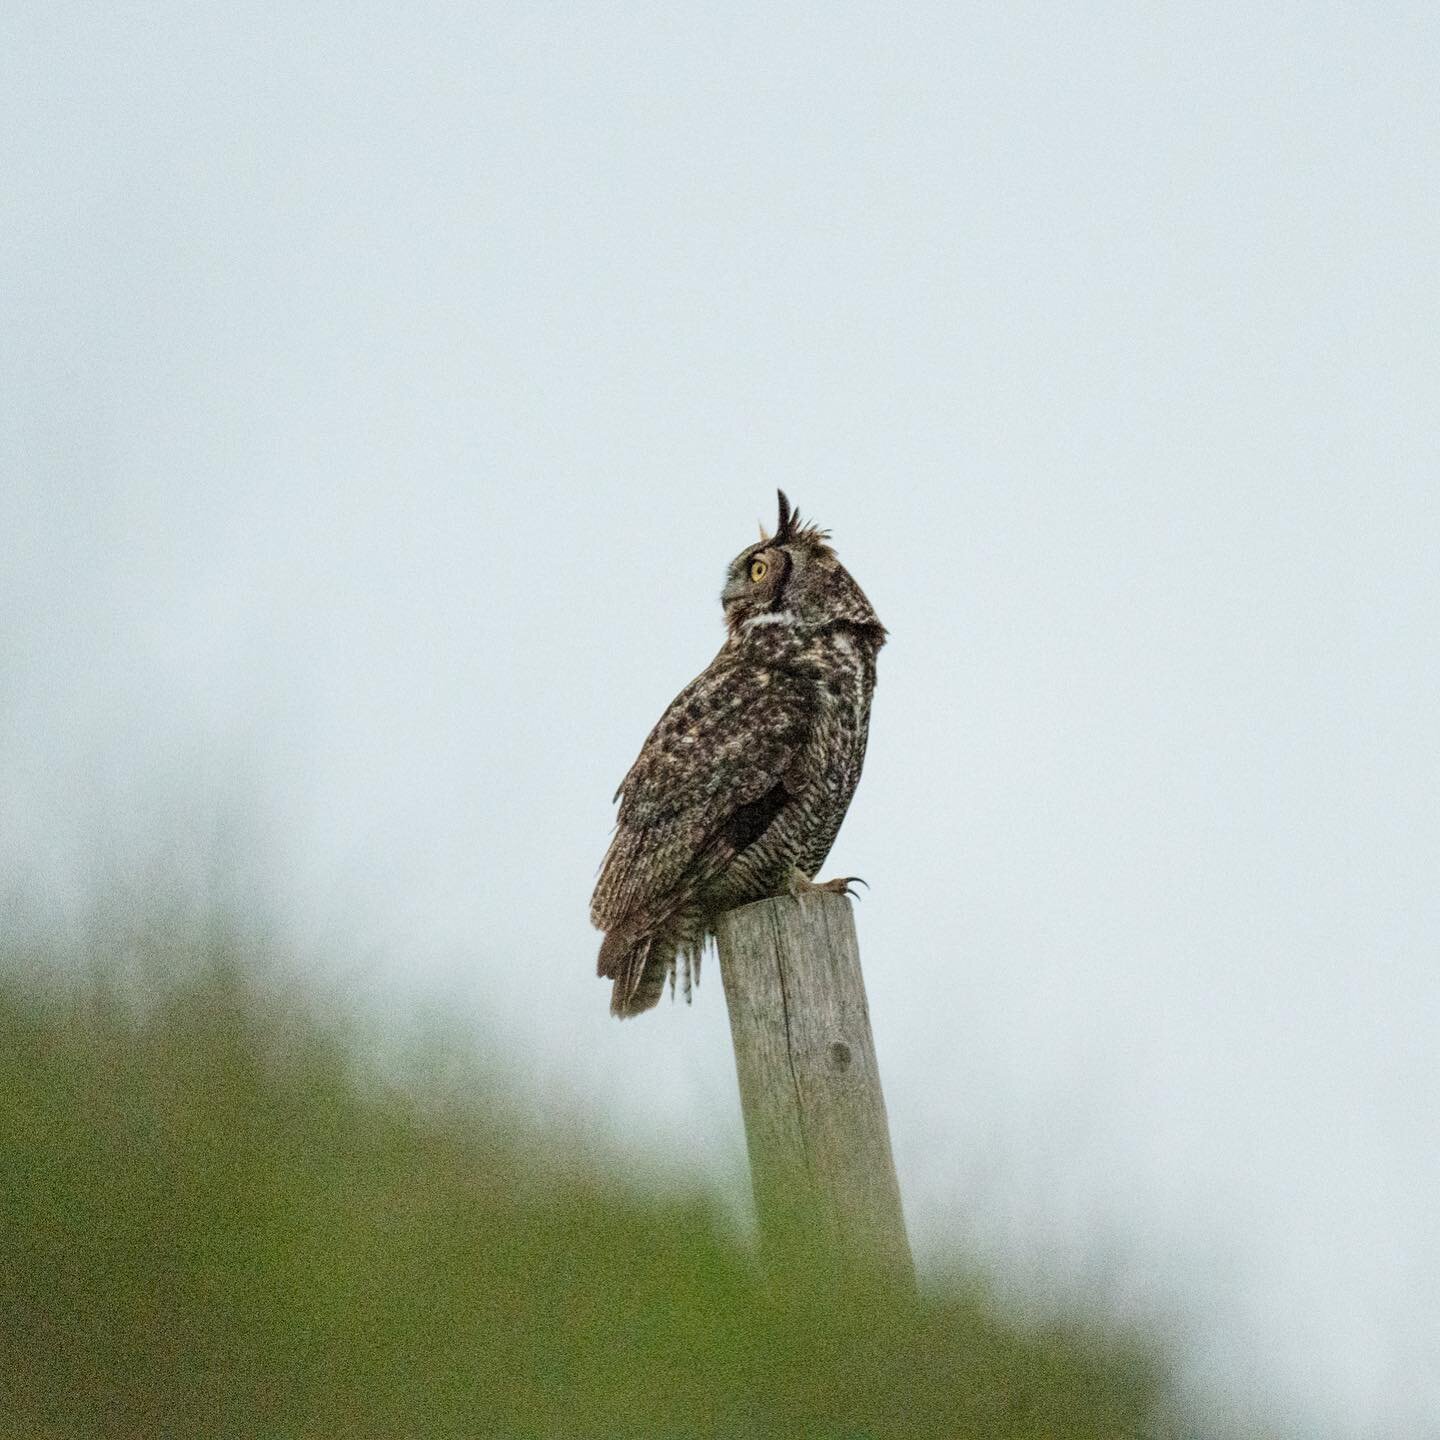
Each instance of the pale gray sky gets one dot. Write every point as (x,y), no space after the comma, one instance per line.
(383,389)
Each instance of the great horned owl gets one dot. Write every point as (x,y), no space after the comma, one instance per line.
(739,791)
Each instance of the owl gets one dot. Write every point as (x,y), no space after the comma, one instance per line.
(740,788)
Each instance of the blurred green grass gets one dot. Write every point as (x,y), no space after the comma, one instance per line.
(218,1217)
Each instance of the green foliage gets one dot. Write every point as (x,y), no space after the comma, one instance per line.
(215,1221)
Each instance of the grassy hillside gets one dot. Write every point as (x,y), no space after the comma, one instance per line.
(217,1220)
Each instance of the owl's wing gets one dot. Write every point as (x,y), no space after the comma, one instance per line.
(707,782)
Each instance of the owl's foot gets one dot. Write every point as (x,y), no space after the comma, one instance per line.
(802,885)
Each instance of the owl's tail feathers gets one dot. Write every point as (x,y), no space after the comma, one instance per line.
(638,967)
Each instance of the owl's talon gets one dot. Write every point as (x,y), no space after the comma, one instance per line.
(802,885)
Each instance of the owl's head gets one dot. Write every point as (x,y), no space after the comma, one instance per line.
(793,578)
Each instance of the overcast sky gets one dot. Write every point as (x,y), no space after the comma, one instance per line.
(383,390)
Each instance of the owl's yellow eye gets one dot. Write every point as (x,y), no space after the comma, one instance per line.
(757,571)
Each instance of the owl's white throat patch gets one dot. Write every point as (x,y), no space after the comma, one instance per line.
(770,617)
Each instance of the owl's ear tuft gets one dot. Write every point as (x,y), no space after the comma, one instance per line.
(788,518)
(793,530)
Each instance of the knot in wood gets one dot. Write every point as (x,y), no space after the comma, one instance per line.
(839,1054)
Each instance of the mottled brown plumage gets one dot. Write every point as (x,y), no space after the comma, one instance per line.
(740,788)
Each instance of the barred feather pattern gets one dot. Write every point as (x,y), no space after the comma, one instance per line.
(748,773)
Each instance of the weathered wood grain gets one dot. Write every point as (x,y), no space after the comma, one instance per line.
(815,1123)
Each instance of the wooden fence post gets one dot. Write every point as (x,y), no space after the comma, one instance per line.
(815,1124)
